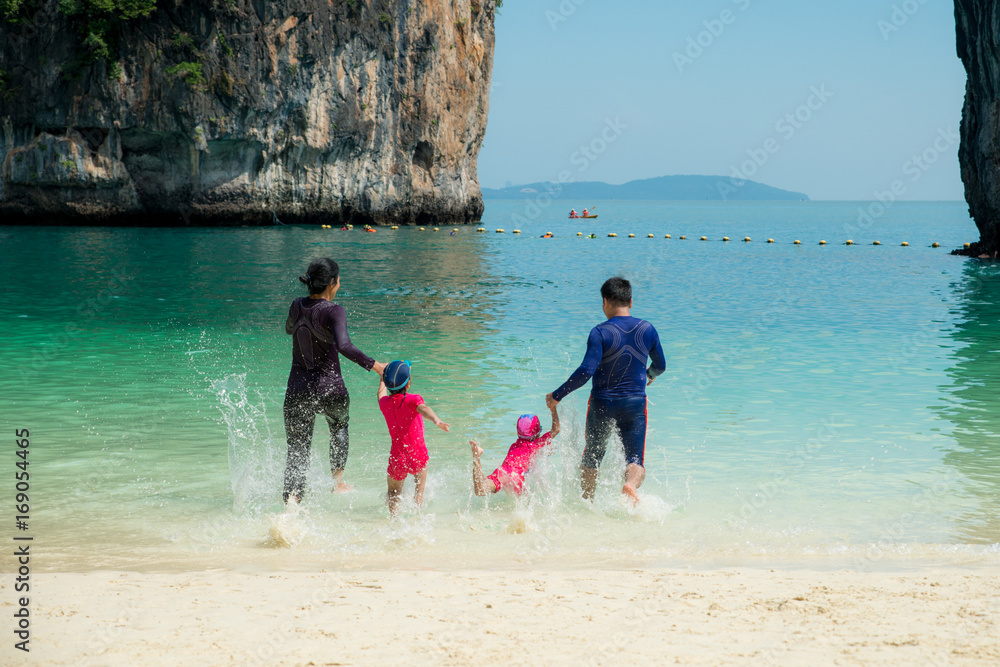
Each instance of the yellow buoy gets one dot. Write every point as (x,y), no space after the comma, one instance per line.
(649,236)
(905,244)
(436,229)
(421,228)
(797,242)
(481,230)
(517,231)
(876,243)
(770,240)
(746,239)
(499,231)
(667,236)
(822,242)
(968,245)
(725,238)
(704,238)
(631,236)
(612,235)
(394,227)
(455,230)
(849,242)
(684,238)
(935,245)
(579,233)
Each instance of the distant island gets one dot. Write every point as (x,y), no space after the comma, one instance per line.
(672,188)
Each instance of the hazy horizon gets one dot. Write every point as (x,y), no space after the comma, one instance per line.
(840,102)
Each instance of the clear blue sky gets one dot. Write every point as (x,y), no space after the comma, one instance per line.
(893,94)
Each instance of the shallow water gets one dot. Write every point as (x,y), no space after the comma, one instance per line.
(824,406)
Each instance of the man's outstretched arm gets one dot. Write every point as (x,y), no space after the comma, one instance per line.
(595,352)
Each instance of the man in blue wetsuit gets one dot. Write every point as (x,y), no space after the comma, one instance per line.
(617,351)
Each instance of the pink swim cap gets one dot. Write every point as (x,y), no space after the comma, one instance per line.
(528,426)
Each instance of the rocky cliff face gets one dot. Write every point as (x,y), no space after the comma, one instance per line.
(247,111)
(978,25)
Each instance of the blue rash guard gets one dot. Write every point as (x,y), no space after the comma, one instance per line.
(617,351)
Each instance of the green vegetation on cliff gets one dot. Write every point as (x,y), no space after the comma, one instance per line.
(99,23)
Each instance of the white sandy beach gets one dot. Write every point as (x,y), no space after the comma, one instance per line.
(600,617)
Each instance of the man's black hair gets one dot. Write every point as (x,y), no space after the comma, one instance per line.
(617,291)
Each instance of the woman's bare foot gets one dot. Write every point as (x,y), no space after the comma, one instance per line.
(477,451)
(630,494)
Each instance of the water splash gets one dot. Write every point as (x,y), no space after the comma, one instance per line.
(256,463)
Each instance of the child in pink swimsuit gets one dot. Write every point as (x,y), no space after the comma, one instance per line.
(404,415)
(510,475)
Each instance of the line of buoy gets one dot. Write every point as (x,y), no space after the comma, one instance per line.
(746,239)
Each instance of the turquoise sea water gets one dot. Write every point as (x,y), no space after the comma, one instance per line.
(824,406)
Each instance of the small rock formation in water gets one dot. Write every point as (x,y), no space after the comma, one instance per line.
(978,26)
(243,111)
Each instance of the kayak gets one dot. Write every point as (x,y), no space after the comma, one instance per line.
(582,217)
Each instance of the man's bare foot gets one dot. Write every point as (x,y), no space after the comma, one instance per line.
(477,451)
(630,494)
(292,505)
(341,487)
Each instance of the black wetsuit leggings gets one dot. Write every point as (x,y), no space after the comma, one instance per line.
(300,416)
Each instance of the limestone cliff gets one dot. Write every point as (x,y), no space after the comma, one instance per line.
(244,111)
(978,25)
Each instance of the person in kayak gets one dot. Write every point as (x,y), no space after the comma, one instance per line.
(573,214)
(617,352)
(584,213)
(318,329)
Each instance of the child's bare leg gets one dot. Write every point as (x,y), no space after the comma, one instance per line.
(395,490)
(418,494)
(478,479)
(339,485)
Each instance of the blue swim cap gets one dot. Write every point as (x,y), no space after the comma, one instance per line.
(396,375)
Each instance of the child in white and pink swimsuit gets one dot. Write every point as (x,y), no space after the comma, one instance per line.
(510,475)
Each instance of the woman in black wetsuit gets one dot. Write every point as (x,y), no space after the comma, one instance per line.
(315,385)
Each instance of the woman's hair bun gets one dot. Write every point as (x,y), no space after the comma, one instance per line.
(320,274)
